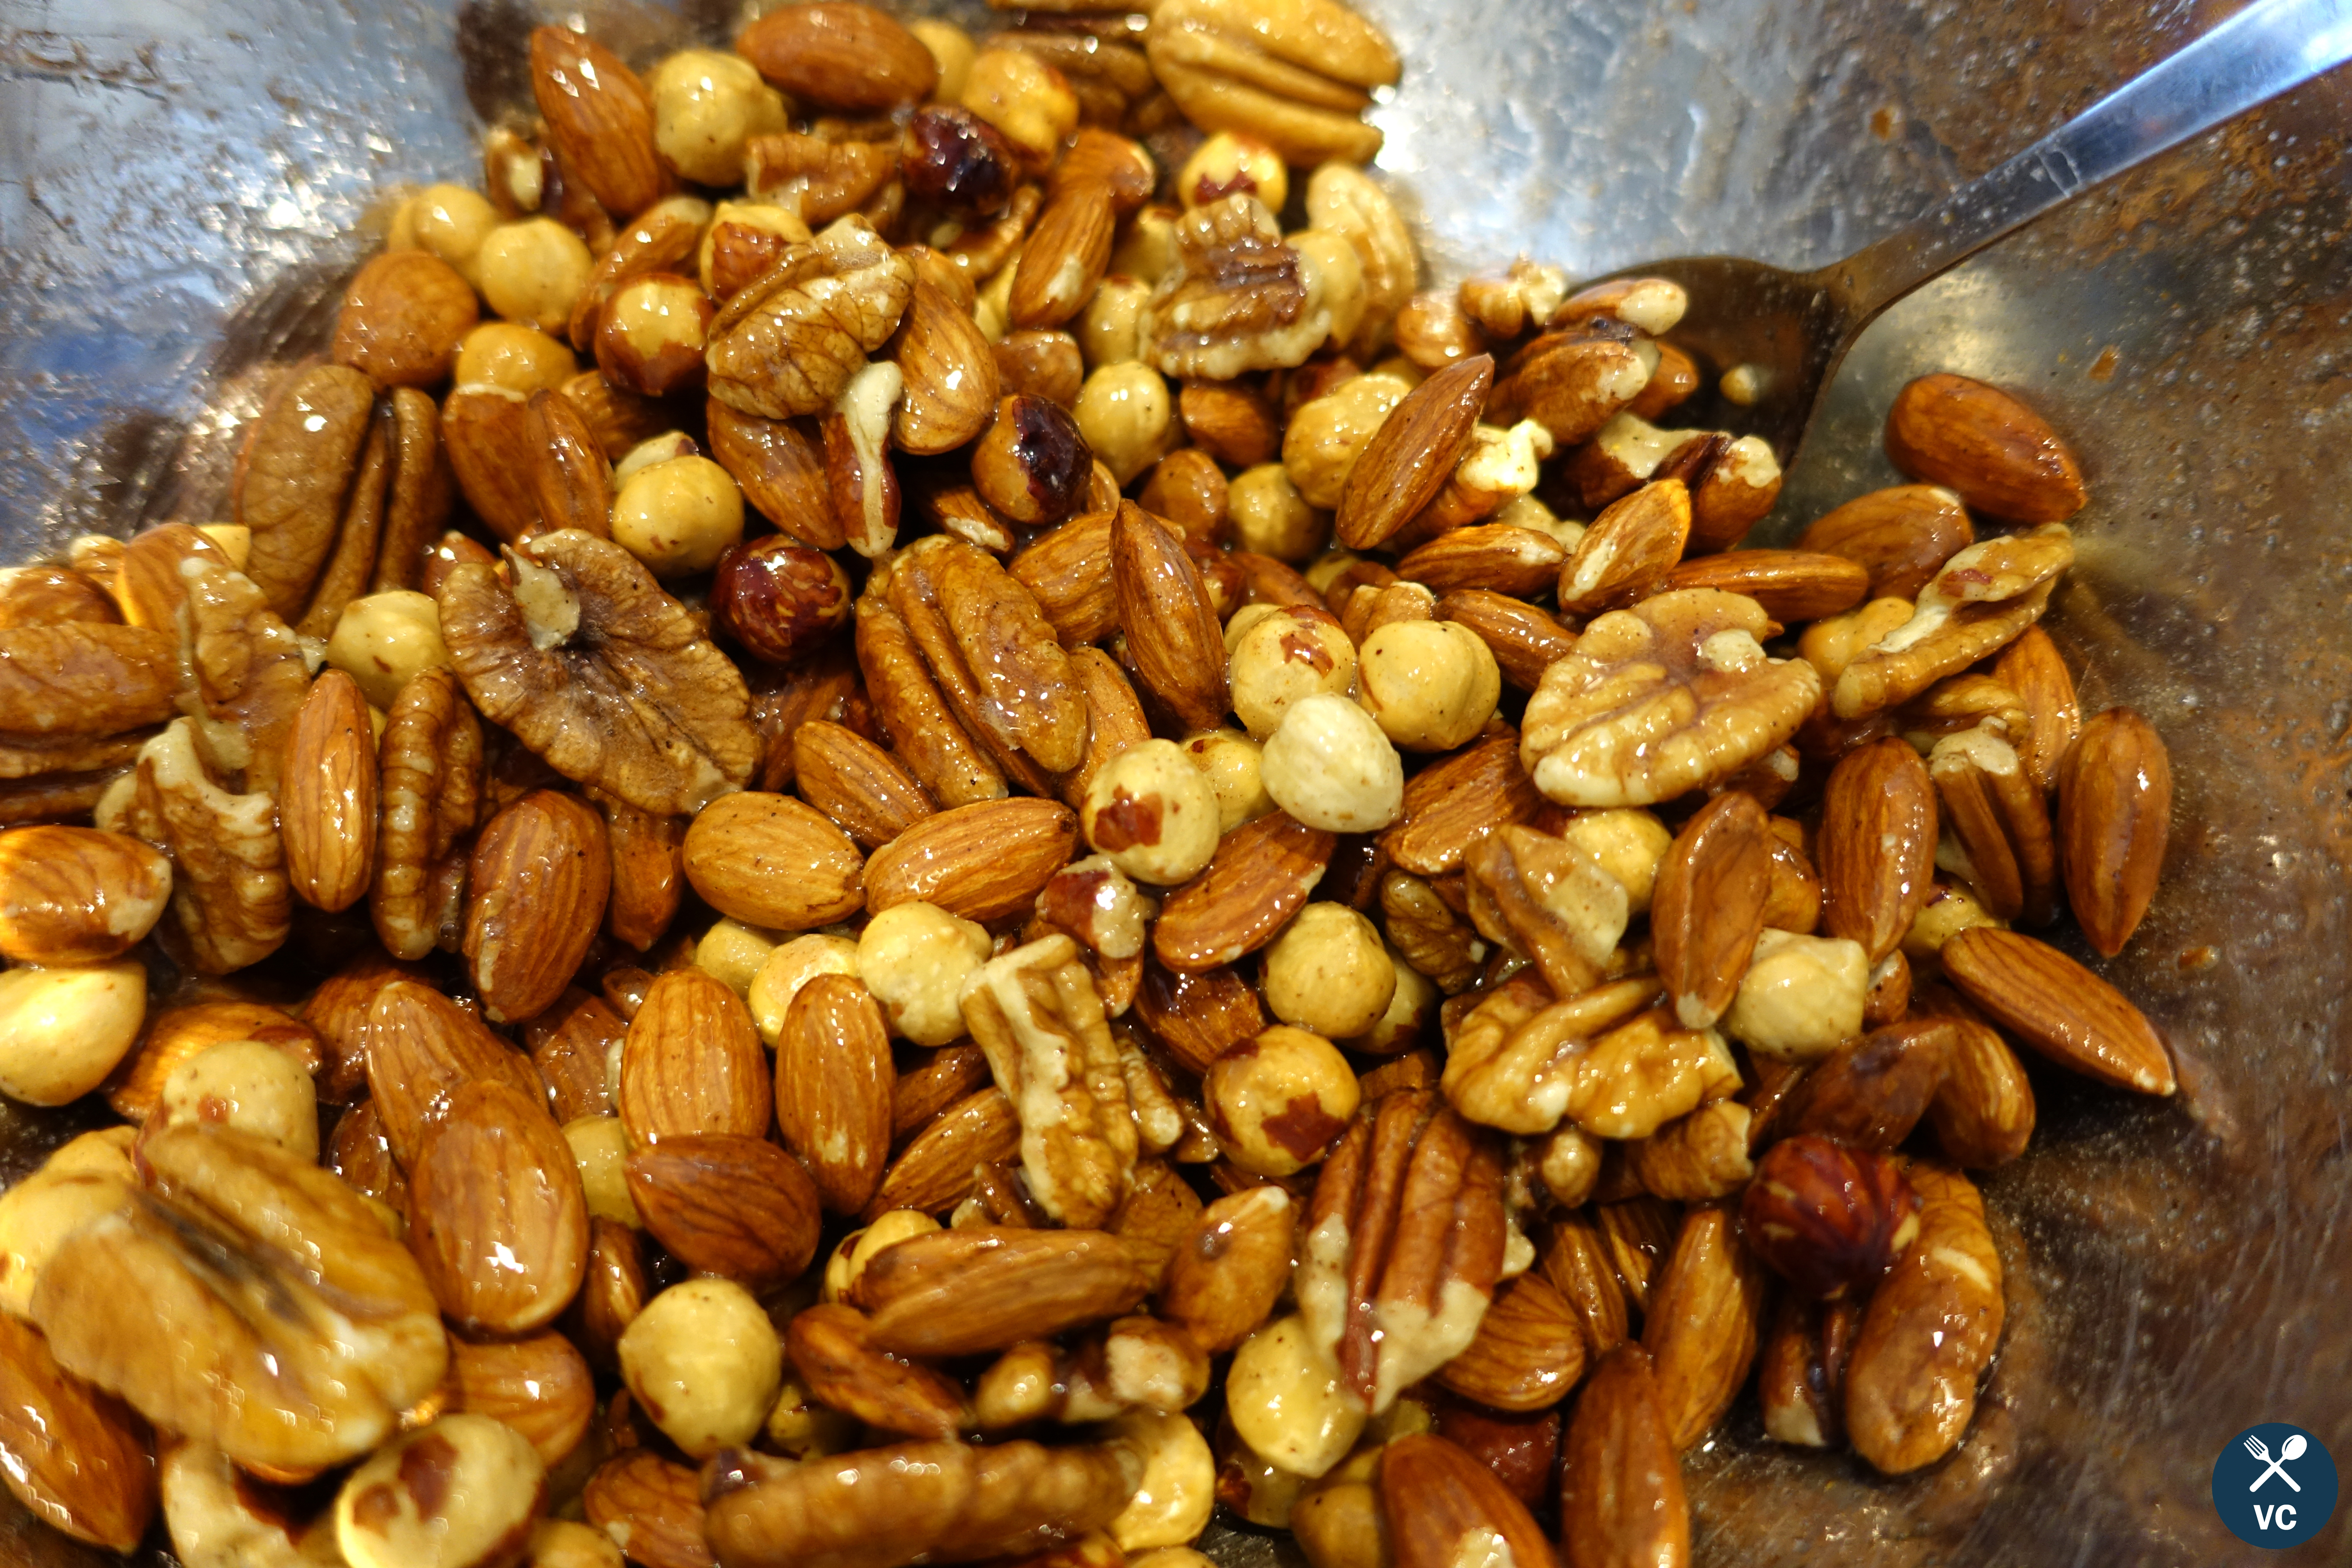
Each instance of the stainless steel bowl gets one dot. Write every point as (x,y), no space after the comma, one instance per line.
(188,182)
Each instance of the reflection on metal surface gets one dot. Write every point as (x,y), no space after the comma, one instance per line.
(182,184)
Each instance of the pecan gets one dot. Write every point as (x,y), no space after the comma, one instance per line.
(816,178)
(2001,822)
(348,567)
(250,675)
(293,475)
(75,1457)
(1518,1060)
(229,893)
(833,1351)
(601,673)
(1236,299)
(1000,656)
(907,702)
(952,1292)
(789,343)
(431,764)
(56,597)
(1296,76)
(1544,896)
(1429,934)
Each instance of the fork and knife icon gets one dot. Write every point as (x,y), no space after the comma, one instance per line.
(2293,1448)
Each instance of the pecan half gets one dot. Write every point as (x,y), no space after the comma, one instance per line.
(431,763)
(292,476)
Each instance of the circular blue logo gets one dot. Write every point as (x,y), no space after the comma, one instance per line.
(2274,1485)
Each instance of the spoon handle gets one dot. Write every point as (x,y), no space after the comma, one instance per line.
(2259,53)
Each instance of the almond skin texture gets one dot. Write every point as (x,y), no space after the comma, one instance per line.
(328,822)
(1228,1267)
(1877,845)
(78,895)
(75,1457)
(1901,536)
(656,1504)
(691,1063)
(540,1386)
(1263,872)
(599,119)
(1928,1331)
(2000,456)
(857,784)
(1621,1483)
(1455,802)
(1791,584)
(833,1084)
(958,1293)
(2031,667)
(539,876)
(2114,814)
(402,319)
(1172,633)
(1702,1322)
(421,1047)
(495,1215)
(1708,907)
(2060,1008)
(832,1348)
(772,861)
(1413,453)
(739,1207)
(1435,1495)
(1529,1353)
(934,1171)
(982,861)
(841,56)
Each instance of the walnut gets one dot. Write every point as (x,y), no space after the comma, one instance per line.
(247,676)
(607,678)
(1237,298)
(1978,603)
(229,892)
(788,344)
(1663,698)
(431,760)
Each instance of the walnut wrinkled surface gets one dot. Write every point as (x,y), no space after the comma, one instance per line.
(1236,299)
(789,343)
(229,894)
(604,676)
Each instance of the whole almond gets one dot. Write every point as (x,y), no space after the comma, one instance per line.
(1998,455)
(537,884)
(571,1043)
(569,477)
(484,432)
(1115,720)
(329,824)
(1901,536)
(600,120)
(1262,873)
(1791,584)
(1706,909)
(1066,257)
(841,56)
(1928,1331)
(1621,1478)
(1499,557)
(950,374)
(1628,550)
(1524,639)
(1576,1261)
(982,861)
(934,1171)
(1228,1267)
(1413,453)
(421,1048)
(691,1063)
(75,1457)
(1068,570)
(654,1504)
(338,1010)
(78,895)
(1173,637)
(1454,802)
(1529,1353)
(1876,848)
(922,1092)
(832,1348)
(610,1295)
(861,787)
(1870,1092)
(1198,1014)
(780,466)
(2031,666)
(1983,1112)
(1444,1509)
(402,319)
(958,1293)
(1701,1324)
(540,1386)
(2060,1008)
(1230,421)
(495,1215)
(1157,1218)
(2115,814)
(834,1083)
(648,856)
(739,1207)
(772,861)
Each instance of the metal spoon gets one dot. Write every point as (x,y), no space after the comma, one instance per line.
(1793,327)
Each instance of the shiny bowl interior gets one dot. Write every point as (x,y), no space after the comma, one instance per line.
(191,181)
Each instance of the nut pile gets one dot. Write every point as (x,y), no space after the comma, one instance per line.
(906,821)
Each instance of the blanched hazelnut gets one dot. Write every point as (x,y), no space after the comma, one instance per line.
(678,517)
(1228,162)
(1329,766)
(1328,434)
(1230,762)
(859,1246)
(790,967)
(519,358)
(778,598)
(1108,330)
(1024,97)
(1628,842)
(106,1150)
(1410,1007)
(532,271)
(743,239)
(704,1363)
(993,310)
(251,1086)
(62,1030)
(659,447)
(1127,417)
(706,105)
(1268,516)
(952,50)
(451,222)
(1179,1490)
(386,640)
(800,1428)
(1334,273)
(1172,1557)
(734,953)
(1278,1102)
(600,1148)
(1287,1402)
(651,334)
(1801,995)
(1153,813)
(915,958)
(41,1211)
(565,1543)
(1950,910)
(1033,462)
(1097,902)
(1329,973)
(459,1493)
(1284,658)
(1430,685)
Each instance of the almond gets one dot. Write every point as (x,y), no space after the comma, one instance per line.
(648,854)
(75,1457)
(1791,584)
(832,1348)
(924,1090)
(571,480)
(540,1386)
(484,430)
(1570,383)
(691,1063)
(1198,1015)
(1900,536)
(1262,873)
(338,1010)
(2031,666)
(1998,455)
(958,1293)
(772,861)
(1065,256)
(1576,1260)
(950,374)
(1499,557)
(984,861)
(1444,1509)
(861,787)
(600,120)
(1456,802)
(422,1048)
(2059,1008)
(1529,1353)
(2114,814)
(934,1171)
(1983,1112)
(1877,849)
(1620,1479)
(536,886)
(734,1206)
(652,1503)
(780,466)
(495,1215)
(1228,1267)
(1700,1326)
(610,1295)
(1068,570)
(1413,453)
(1230,421)
(840,56)
(78,895)
(329,824)
(571,1044)
(1628,550)
(402,319)
(1173,637)
(1524,639)
(834,1083)
(1707,906)
(1115,720)
(1928,1332)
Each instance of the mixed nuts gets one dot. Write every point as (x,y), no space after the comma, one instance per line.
(891,831)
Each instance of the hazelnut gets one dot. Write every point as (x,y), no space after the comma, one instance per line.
(790,967)
(1110,330)
(1179,1490)
(520,359)
(247,1085)
(859,1246)
(1828,1218)
(451,223)
(706,105)
(386,640)
(651,335)
(1430,685)
(1033,463)
(733,953)
(679,516)
(1267,515)
(1230,762)
(1228,162)
(1950,910)
(1278,1102)
(778,598)
(600,1148)
(564,1543)
(1282,657)
(952,50)
(800,1428)
(1328,433)
(953,157)
(1329,973)
(1410,1007)
(741,241)
(40,1212)
(655,449)
(1801,996)
(459,1493)
(1334,272)
(532,271)
(1286,1400)
(62,1030)
(915,958)
(1027,100)
(1097,902)
(1153,813)
(1329,766)
(1127,417)
(704,1362)
(1628,842)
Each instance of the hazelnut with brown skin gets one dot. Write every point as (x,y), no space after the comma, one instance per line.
(1032,465)
(1278,1102)
(778,598)
(1826,1218)
(953,157)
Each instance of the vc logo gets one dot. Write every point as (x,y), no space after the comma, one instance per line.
(2274,1485)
